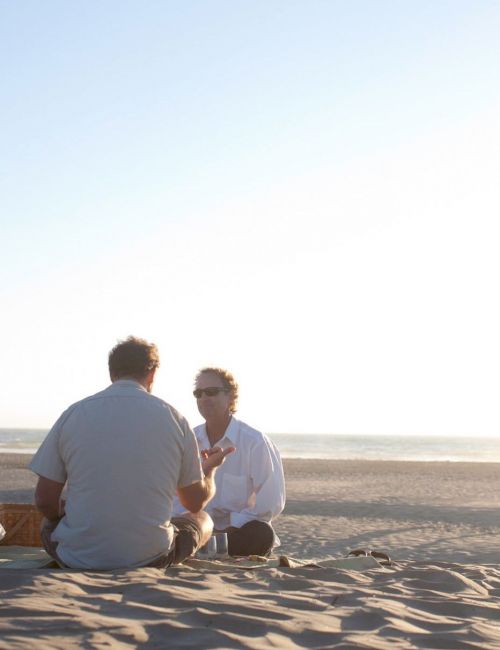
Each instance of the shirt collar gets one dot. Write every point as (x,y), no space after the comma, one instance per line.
(231,434)
(127,383)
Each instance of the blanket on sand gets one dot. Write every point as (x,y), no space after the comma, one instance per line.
(23,557)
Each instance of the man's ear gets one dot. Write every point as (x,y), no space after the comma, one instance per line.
(149,379)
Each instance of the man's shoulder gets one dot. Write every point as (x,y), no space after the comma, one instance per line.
(256,439)
(146,399)
(250,433)
(156,403)
(102,394)
(124,392)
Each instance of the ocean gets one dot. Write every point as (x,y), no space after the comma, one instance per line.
(336,446)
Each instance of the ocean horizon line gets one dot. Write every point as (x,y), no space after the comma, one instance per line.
(332,446)
(384,434)
(11,451)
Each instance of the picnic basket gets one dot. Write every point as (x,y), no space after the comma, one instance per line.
(22,524)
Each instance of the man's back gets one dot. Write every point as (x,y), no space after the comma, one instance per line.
(123,452)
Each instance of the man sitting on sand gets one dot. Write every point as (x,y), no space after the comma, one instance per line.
(250,485)
(122,455)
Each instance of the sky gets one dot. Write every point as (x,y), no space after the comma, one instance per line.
(303,192)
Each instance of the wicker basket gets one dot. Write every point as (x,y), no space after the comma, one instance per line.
(22,524)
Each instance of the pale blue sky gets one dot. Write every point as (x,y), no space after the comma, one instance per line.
(304,192)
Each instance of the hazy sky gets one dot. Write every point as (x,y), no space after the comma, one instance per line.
(305,192)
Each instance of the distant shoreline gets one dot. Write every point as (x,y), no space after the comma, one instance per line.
(28,453)
(311,446)
(336,447)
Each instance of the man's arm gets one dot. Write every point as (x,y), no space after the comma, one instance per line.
(196,496)
(48,498)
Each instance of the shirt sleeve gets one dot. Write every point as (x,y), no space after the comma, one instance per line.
(266,475)
(47,461)
(191,470)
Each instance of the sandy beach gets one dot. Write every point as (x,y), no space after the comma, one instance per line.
(439,522)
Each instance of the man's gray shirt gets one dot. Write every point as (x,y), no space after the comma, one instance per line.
(122,453)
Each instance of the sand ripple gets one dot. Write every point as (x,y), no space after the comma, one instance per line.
(405,606)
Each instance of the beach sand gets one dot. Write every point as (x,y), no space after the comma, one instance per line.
(439,522)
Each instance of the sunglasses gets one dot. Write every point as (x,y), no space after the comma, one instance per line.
(209,392)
